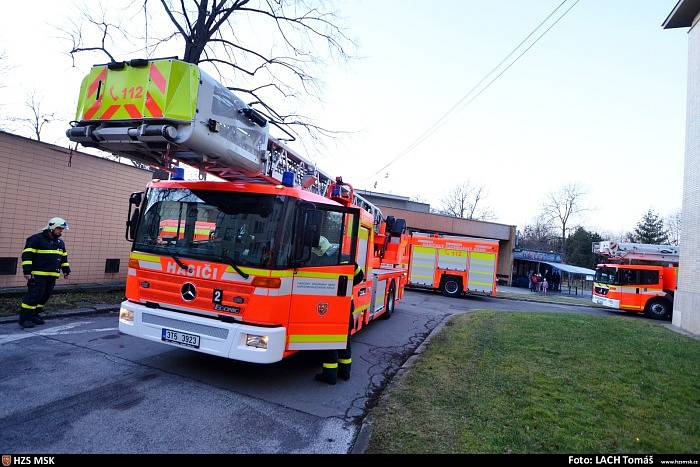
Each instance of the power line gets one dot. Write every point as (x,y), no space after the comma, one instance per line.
(434,127)
(427,132)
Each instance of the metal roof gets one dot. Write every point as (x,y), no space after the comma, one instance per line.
(683,14)
(571,269)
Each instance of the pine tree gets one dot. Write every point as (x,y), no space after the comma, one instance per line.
(578,248)
(650,230)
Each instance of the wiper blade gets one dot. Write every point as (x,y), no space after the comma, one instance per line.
(177,259)
(179,262)
(235,267)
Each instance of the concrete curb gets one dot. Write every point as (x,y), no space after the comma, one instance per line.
(365,431)
(92,310)
(681,331)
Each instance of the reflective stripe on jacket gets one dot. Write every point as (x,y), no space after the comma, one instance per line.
(44,255)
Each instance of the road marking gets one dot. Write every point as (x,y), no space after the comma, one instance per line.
(64,330)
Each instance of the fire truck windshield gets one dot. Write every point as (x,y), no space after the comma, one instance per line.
(607,276)
(240,228)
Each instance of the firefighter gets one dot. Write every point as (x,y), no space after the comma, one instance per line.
(336,363)
(44,255)
(325,254)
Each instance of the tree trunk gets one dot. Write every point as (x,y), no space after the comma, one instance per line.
(563,242)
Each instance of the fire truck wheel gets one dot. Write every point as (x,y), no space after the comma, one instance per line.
(390,302)
(658,309)
(451,286)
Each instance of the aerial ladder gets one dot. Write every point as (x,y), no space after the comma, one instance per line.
(278,257)
(627,251)
(147,111)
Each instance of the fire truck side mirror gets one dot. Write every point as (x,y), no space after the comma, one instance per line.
(136,198)
(132,224)
(133,217)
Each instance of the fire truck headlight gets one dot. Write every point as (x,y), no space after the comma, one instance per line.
(126,316)
(252,340)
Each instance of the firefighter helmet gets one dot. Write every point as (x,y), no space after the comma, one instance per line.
(57,222)
(323,246)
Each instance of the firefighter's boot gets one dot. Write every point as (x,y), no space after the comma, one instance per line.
(344,362)
(25,319)
(36,319)
(344,368)
(329,374)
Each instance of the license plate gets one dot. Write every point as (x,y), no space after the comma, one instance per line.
(603,301)
(182,338)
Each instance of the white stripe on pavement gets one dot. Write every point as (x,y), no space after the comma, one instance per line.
(55,331)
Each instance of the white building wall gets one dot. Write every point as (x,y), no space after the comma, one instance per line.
(686,313)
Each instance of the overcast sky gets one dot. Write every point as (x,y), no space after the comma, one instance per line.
(599,101)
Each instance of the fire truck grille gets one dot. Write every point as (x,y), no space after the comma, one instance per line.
(211,331)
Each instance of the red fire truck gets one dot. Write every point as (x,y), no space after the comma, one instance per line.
(639,278)
(275,258)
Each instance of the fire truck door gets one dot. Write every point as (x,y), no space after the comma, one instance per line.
(319,316)
(362,292)
(630,289)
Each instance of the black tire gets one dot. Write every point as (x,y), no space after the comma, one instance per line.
(390,302)
(451,286)
(658,308)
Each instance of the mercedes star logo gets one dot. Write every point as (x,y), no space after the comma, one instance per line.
(188,291)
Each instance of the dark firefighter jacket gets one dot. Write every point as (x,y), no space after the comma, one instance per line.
(44,255)
(358,276)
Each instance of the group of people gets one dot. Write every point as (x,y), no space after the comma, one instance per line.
(550,281)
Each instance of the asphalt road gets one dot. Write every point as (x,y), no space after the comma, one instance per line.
(76,385)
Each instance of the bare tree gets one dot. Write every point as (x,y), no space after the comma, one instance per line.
(538,235)
(673,227)
(466,201)
(37,118)
(273,67)
(560,206)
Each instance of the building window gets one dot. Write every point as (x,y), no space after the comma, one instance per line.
(112,266)
(8,266)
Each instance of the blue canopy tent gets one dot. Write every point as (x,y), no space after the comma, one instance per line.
(578,280)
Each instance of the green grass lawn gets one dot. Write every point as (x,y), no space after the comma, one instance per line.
(64,300)
(498,382)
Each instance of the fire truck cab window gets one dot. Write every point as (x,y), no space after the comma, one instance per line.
(649,277)
(629,276)
(246,229)
(606,275)
(328,251)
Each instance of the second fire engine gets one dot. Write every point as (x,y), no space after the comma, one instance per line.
(638,278)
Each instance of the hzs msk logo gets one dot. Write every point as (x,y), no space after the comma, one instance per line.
(322,308)
(6,460)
